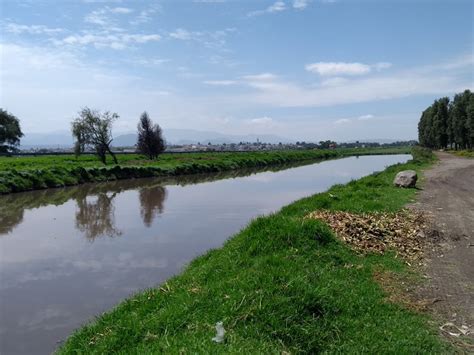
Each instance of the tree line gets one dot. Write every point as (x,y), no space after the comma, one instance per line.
(448,123)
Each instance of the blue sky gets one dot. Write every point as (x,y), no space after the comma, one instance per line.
(308,70)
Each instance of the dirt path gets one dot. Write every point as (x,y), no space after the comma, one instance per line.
(448,196)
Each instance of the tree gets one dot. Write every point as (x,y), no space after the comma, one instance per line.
(94,129)
(459,119)
(448,124)
(470,121)
(440,122)
(150,141)
(10,132)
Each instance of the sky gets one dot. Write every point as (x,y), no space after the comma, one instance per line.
(301,69)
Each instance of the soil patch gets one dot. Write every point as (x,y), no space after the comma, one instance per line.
(447,198)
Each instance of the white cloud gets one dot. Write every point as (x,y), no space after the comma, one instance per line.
(300,4)
(343,68)
(339,68)
(145,15)
(32,29)
(342,121)
(98,17)
(215,40)
(102,17)
(220,82)
(113,41)
(277,6)
(121,10)
(181,34)
(261,120)
(57,83)
(272,91)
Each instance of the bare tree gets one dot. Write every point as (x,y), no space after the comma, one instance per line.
(150,141)
(94,129)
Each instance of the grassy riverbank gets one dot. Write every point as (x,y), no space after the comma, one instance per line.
(39,172)
(283,284)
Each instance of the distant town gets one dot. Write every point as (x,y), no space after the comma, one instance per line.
(230,147)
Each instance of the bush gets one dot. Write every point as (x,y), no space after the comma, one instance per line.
(421,154)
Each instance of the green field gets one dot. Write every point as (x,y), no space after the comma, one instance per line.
(284,284)
(38,172)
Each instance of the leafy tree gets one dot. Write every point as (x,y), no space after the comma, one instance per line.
(150,141)
(470,121)
(326,144)
(94,129)
(459,119)
(440,122)
(10,132)
(448,124)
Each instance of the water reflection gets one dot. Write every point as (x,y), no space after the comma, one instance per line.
(95,202)
(95,216)
(151,203)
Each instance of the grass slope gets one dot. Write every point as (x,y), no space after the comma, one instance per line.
(34,173)
(283,284)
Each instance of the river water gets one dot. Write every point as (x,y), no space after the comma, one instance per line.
(70,254)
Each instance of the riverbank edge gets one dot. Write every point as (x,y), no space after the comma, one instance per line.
(13,180)
(283,284)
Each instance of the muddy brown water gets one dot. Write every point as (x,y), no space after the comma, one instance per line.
(67,255)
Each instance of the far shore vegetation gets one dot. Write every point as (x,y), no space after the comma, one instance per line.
(284,284)
(24,173)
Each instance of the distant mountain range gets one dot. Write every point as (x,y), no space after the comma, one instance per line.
(63,139)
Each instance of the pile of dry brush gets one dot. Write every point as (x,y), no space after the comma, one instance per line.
(402,232)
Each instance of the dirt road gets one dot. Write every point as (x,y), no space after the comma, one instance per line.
(448,196)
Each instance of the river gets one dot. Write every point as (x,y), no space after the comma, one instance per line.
(70,254)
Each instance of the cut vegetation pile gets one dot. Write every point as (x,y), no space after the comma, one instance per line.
(401,232)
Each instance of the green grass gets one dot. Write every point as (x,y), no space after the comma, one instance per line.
(32,173)
(463,153)
(283,284)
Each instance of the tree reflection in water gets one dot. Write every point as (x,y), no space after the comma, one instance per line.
(95,215)
(151,203)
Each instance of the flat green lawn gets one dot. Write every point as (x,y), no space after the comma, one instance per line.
(283,284)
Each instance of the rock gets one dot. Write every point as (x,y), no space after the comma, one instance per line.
(406,178)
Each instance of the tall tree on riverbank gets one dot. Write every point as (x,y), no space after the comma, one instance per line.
(150,141)
(10,132)
(448,124)
(470,120)
(94,129)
